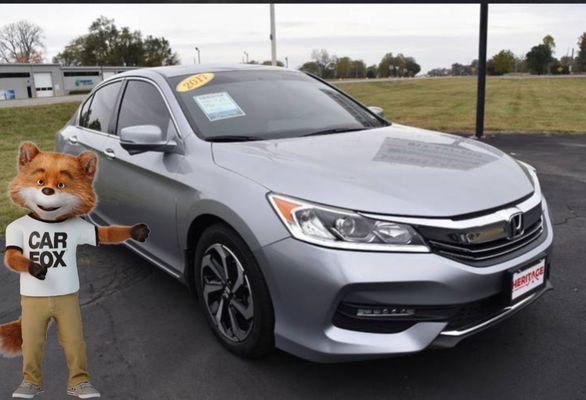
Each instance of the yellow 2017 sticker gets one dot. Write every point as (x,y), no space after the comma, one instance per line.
(194,82)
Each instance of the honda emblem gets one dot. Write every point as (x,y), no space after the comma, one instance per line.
(515,225)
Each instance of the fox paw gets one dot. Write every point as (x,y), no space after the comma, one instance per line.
(38,271)
(140,232)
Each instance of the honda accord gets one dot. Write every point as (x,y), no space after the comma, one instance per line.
(306,221)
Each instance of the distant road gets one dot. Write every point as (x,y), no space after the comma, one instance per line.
(39,101)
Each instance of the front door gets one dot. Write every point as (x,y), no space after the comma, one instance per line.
(143,188)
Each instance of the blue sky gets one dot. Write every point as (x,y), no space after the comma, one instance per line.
(436,35)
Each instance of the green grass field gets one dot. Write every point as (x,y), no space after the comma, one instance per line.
(513,105)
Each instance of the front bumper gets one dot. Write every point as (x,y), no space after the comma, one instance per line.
(307,284)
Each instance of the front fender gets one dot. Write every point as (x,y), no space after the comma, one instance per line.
(250,215)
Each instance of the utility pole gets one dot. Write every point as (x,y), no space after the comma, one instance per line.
(481,89)
(198,57)
(273,36)
(286,62)
(246,56)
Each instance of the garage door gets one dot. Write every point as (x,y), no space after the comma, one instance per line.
(44,84)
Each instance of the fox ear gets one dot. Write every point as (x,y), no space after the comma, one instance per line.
(26,153)
(88,162)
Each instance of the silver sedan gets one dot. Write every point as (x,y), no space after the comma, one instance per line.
(305,220)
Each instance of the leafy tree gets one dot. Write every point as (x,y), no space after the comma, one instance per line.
(520,64)
(398,66)
(371,71)
(440,72)
(501,63)
(568,63)
(549,42)
(312,67)
(384,66)
(106,44)
(157,51)
(412,67)
(581,56)
(461,70)
(343,67)
(557,68)
(269,62)
(474,67)
(538,59)
(21,42)
(358,69)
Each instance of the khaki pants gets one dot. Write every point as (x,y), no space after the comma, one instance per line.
(36,314)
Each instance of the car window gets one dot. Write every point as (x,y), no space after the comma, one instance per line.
(99,112)
(142,104)
(84,114)
(266,104)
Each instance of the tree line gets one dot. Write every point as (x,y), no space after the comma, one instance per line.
(107,44)
(104,44)
(329,66)
(539,60)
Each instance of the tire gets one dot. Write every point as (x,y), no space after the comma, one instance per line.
(244,291)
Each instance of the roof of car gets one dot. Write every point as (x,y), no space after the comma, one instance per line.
(178,70)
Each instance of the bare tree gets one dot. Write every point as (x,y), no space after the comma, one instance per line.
(325,62)
(21,42)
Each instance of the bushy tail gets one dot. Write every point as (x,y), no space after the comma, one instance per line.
(11,339)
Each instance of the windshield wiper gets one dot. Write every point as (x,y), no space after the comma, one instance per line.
(233,138)
(334,130)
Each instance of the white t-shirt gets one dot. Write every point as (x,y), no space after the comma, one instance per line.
(54,244)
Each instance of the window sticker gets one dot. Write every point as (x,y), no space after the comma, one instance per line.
(217,106)
(194,81)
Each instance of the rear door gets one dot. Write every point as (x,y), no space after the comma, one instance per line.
(142,188)
(95,132)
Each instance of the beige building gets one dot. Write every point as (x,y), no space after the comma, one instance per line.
(22,81)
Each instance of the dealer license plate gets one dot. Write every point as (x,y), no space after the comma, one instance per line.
(527,280)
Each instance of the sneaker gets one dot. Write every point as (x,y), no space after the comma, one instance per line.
(27,391)
(84,390)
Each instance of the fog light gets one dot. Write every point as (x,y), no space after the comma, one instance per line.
(385,312)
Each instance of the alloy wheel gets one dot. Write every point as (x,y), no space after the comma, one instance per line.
(226,293)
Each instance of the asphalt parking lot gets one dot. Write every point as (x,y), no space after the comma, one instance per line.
(147,338)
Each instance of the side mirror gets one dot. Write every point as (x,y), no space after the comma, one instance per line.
(377,110)
(140,138)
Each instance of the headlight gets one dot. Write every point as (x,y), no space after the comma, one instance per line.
(343,229)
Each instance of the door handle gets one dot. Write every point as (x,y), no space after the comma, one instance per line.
(72,139)
(109,153)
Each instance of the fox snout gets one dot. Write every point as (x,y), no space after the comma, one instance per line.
(54,185)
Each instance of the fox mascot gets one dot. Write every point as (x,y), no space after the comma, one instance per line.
(57,189)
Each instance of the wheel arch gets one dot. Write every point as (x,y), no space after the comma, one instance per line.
(203,220)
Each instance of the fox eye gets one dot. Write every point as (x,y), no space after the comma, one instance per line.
(40,182)
(60,185)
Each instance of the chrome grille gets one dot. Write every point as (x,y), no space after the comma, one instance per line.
(446,242)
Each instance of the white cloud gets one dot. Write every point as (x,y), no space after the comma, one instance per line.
(436,35)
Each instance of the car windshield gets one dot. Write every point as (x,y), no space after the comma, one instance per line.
(269,104)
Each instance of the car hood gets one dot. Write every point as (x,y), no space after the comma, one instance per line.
(391,170)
